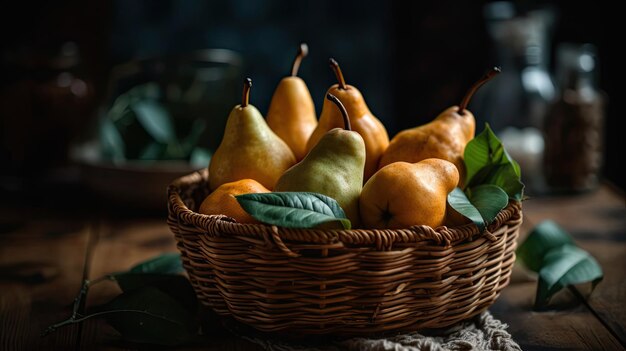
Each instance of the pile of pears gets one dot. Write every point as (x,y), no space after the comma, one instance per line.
(346,155)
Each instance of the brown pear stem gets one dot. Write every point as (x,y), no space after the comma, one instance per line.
(335,66)
(484,79)
(303,50)
(245,98)
(344,113)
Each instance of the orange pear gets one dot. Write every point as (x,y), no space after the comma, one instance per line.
(402,194)
(361,118)
(445,137)
(223,201)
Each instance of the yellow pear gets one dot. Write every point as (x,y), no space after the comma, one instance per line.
(291,114)
(445,137)
(249,148)
(361,118)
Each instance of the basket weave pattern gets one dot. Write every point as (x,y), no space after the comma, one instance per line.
(342,282)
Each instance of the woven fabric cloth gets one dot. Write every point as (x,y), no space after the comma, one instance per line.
(483,332)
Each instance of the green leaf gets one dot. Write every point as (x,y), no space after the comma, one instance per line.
(150,90)
(546,236)
(148,315)
(489,200)
(294,209)
(167,263)
(481,206)
(197,128)
(161,272)
(176,286)
(550,251)
(113,147)
(155,119)
(174,151)
(118,108)
(200,157)
(562,266)
(487,162)
(152,151)
(459,201)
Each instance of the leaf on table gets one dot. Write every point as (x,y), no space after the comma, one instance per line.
(546,236)
(176,286)
(167,263)
(163,272)
(488,162)
(155,119)
(550,251)
(148,315)
(562,266)
(295,209)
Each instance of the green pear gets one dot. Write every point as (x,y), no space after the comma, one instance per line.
(249,149)
(334,167)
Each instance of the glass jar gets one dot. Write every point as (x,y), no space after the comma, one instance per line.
(46,100)
(573,128)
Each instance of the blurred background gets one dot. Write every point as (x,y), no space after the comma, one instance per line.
(111,93)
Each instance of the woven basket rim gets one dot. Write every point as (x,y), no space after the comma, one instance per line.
(381,238)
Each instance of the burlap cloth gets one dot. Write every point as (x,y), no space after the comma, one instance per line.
(483,332)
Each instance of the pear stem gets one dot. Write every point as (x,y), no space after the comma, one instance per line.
(484,79)
(344,113)
(303,50)
(245,98)
(335,66)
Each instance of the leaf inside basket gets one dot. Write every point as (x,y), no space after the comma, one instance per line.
(488,162)
(295,209)
(481,206)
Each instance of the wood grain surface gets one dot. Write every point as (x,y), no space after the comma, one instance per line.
(43,251)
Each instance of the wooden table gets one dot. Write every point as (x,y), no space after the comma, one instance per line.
(46,240)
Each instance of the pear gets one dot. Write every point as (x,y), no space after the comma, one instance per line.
(249,148)
(222,200)
(445,137)
(291,114)
(334,167)
(402,194)
(363,121)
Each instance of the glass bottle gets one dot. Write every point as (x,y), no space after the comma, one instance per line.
(516,102)
(573,128)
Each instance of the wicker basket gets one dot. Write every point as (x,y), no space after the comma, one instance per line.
(340,282)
